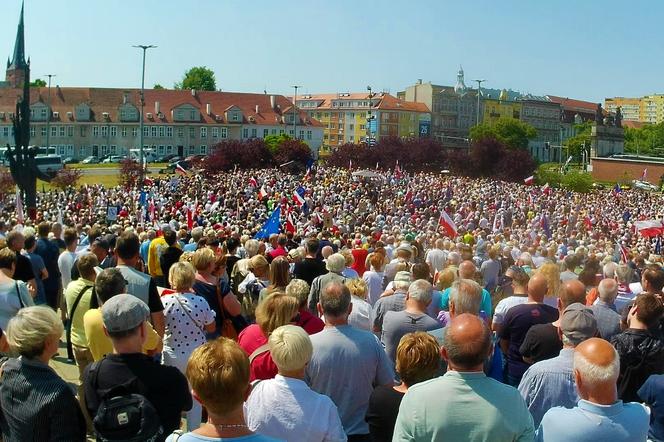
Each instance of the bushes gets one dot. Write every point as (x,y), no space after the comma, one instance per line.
(130,173)
(255,153)
(66,177)
(548,173)
(578,181)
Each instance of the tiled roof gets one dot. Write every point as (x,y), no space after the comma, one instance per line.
(633,124)
(387,101)
(106,100)
(571,104)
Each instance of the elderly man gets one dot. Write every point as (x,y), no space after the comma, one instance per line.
(436,257)
(608,319)
(347,362)
(475,407)
(468,270)
(335,264)
(550,383)
(412,318)
(599,415)
(395,302)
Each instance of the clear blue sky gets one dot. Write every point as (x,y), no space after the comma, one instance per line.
(586,49)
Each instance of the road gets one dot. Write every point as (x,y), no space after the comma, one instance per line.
(111,170)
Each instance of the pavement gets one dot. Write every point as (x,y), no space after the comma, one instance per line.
(110,170)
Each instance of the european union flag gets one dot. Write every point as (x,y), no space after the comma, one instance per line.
(143,199)
(271,225)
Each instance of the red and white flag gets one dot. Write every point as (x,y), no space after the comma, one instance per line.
(262,193)
(180,170)
(446,223)
(253,182)
(649,228)
(546,189)
(308,173)
(644,174)
(148,182)
(530,180)
(290,225)
(190,218)
(350,164)
(297,198)
(20,216)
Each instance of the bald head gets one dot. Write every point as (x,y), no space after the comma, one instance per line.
(467,270)
(596,368)
(537,288)
(467,343)
(608,290)
(571,292)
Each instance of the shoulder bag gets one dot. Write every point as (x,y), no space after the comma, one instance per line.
(70,351)
(187,312)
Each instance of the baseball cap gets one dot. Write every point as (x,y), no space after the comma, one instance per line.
(578,323)
(123,313)
(402,276)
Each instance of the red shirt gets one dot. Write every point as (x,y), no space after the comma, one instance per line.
(310,323)
(279,251)
(263,367)
(360,256)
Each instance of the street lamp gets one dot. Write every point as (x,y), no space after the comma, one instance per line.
(479,91)
(140,147)
(295,113)
(50,112)
(369,117)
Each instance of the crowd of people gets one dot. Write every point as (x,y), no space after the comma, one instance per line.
(423,307)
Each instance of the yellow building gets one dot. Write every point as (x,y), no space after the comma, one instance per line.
(652,109)
(502,106)
(646,109)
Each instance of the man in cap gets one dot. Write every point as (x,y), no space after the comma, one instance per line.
(391,303)
(550,383)
(125,322)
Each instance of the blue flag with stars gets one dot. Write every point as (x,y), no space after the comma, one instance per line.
(271,225)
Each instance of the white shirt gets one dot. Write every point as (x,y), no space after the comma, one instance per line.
(504,305)
(374,282)
(286,408)
(436,258)
(360,316)
(65,263)
(185,329)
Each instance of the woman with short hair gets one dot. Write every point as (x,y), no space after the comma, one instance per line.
(188,318)
(14,295)
(374,277)
(360,315)
(299,289)
(36,403)
(286,407)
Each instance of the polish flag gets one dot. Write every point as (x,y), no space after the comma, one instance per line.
(546,189)
(644,174)
(530,180)
(148,182)
(297,199)
(180,170)
(262,193)
(253,182)
(290,225)
(446,223)
(649,228)
(190,218)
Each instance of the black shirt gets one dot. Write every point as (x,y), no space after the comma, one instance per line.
(231,260)
(308,269)
(641,354)
(166,388)
(382,413)
(169,257)
(23,270)
(541,342)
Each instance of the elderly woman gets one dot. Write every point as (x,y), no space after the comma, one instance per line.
(279,277)
(277,310)
(418,360)
(188,318)
(360,315)
(374,277)
(14,295)
(285,407)
(36,403)
(217,293)
(299,289)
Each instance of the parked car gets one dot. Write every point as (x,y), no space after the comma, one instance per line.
(70,160)
(165,158)
(644,185)
(174,160)
(90,160)
(113,159)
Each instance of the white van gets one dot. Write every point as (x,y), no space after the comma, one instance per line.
(49,164)
(149,155)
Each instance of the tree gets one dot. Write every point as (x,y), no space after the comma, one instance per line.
(582,140)
(130,173)
(7,183)
(647,140)
(38,83)
(514,134)
(273,142)
(292,150)
(228,154)
(548,173)
(158,86)
(66,178)
(578,181)
(200,78)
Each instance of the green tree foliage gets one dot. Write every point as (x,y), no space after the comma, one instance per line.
(200,78)
(548,173)
(38,83)
(274,142)
(578,181)
(575,145)
(648,140)
(158,86)
(514,134)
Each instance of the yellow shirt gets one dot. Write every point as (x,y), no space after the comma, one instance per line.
(71,293)
(99,344)
(157,247)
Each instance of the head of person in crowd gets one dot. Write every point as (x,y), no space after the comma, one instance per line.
(170,237)
(421,271)
(525,260)
(418,358)
(127,248)
(276,310)
(295,255)
(311,247)
(124,317)
(465,297)
(336,263)
(251,247)
(646,312)
(402,281)
(204,261)
(181,277)
(86,265)
(196,234)
(109,282)
(608,290)
(279,276)
(445,278)
(571,291)
(551,272)
(71,239)
(326,252)
(299,289)
(404,252)
(335,303)
(220,261)
(537,288)
(218,372)
(15,240)
(43,229)
(609,270)
(514,281)
(186,257)
(259,266)
(34,333)
(596,370)
(467,343)
(100,248)
(30,244)
(468,270)
(377,261)
(652,280)
(7,261)
(570,262)
(419,295)
(358,288)
(577,324)
(623,274)
(588,275)
(348,257)
(291,350)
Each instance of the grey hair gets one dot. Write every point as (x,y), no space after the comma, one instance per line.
(609,269)
(251,246)
(596,375)
(454,258)
(623,273)
(336,263)
(335,300)
(466,295)
(421,290)
(197,233)
(608,290)
(299,289)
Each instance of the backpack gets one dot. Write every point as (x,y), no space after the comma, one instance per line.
(250,299)
(124,413)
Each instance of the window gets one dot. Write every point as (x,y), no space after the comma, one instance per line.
(169,149)
(169,131)
(124,131)
(114,149)
(104,131)
(146,131)
(235,117)
(301,135)
(253,132)
(193,115)
(160,150)
(5,131)
(215,132)
(181,132)
(114,131)
(224,132)
(309,135)
(162,131)
(352,127)
(33,130)
(266,132)
(281,131)
(203,149)
(134,132)
(203,132)
(44,113)
(273,131)
(245,133)
(54,131)
(104,149)
(154,131)
(43,131)
(83,131)
(70,131)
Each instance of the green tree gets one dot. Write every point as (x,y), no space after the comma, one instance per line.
(514,134)
(158,86)
(200,78)
(578,181)
(274,142)
(575,145)
(548,173)
(647,140)
(38,83)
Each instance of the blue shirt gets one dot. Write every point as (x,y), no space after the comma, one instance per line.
(590,422)
(549,383)
(652,393)
(190,247)
(144,250)
(485,305)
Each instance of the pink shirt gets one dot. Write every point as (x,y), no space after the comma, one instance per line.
(263,367)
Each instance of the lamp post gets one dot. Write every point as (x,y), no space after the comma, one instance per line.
(140,135)
(369,117)
(295,113)
(479,91)
(50,112)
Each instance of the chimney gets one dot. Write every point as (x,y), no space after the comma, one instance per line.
(257,111)
(419,81)
(156,107)
(193,92)
(273,102)
(208,109)
(125,97)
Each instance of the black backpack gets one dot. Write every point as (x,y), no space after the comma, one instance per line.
(124,413)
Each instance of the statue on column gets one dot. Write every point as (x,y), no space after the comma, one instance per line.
(599,115)
(618,118)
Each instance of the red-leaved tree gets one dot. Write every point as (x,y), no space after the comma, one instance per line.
(292,150)
(130,173)
(7,184)
(66,177)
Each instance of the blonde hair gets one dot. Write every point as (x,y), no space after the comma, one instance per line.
(203,259)
(418,358)
(298,289)
(218,371)
(445,278)
(348,256)
(181,276)
(276,310)
(551,273)
(28,331)
(290,347)
(357,287)
(186,257)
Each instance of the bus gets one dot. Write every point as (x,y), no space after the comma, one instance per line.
(49,164)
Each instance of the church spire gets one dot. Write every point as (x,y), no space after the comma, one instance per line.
(18,59)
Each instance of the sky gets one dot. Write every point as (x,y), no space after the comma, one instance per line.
(584,49)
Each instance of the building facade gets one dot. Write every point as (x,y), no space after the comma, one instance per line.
(545,116)
(356,118)
(96,121)
(646,109)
